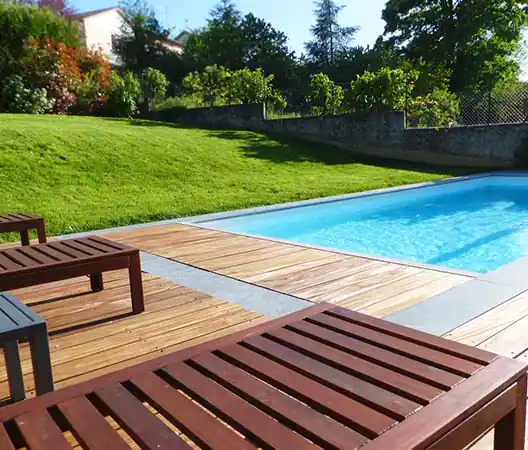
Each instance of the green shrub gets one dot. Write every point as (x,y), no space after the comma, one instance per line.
(183,101)
(17,98)
(252,86)
(385,88)
(210,84)
(123,95)
(216,86)
(20,23)
(154,84)
(439,108)
(326,97)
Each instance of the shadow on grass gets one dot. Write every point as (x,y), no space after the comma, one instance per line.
(284,149)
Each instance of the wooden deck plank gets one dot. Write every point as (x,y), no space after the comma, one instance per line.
(175,317)
(413,296)
(492,322)
(373,286)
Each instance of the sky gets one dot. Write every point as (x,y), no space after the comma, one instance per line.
(294,17)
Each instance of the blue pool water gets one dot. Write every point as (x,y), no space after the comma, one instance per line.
(476,225)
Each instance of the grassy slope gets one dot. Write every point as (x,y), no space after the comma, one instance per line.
(86,173)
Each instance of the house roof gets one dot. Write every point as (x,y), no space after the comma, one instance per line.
(83,15)
(94,12)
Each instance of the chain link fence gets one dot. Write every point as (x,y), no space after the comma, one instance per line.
(486,108)
(474,108)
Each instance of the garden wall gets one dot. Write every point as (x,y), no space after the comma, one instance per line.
(381,134)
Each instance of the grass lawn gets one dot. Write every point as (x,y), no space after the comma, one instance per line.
(85,173)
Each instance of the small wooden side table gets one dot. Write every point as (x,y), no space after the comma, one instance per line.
(18,322)
(22,223)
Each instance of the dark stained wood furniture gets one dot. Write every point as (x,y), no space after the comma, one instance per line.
(59,260)
(322,377)
(22,223)
(18,322)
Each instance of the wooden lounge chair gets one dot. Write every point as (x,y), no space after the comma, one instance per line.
(323,377)
(60,260)
(22,223)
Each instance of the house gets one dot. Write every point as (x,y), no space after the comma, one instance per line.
(99,28)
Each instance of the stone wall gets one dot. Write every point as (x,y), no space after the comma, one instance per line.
(382,134)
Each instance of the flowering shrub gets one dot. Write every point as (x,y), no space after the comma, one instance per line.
(17,98)
(66,73)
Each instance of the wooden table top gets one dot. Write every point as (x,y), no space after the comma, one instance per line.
(18,217)
(322,377)
(58,253)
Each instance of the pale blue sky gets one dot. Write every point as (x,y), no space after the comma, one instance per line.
(294,17)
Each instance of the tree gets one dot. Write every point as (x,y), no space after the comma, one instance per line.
(386,88)
(210,85)
(60,8)
(154,85)
(20,23)
(139,43)
(330,38)
(266,48)
(326,97)
(236,42)
(216,85)
(473,41)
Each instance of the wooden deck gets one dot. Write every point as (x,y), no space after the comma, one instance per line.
(94,333)
(371,286)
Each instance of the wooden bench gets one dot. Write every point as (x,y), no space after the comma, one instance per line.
(59,260)
(18,322)
(22,223)
(323,377)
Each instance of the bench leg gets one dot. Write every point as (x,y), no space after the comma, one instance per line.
(40,357)
(510,431)
(96,282)
(14,371)
(24,237)
(41,231)
(136,284)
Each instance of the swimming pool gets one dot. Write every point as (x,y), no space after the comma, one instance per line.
(476,224)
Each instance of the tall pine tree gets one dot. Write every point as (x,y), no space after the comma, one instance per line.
(329,37)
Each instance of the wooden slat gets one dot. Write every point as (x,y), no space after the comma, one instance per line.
(482,420)
(200,426)
(89,427)
(8,263)
(381,399)
(420,352)
(388,379)
(94,246)
(19,258)
(17,216)
(61,248)
(93,240)
(34,254)
(40,432)
(148,431)
(51,252)
(317,427)
(427,426)
(444,345)
(334,404)
(235,411)
(5,440)
(28,216)
(88,251)
(410,367)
